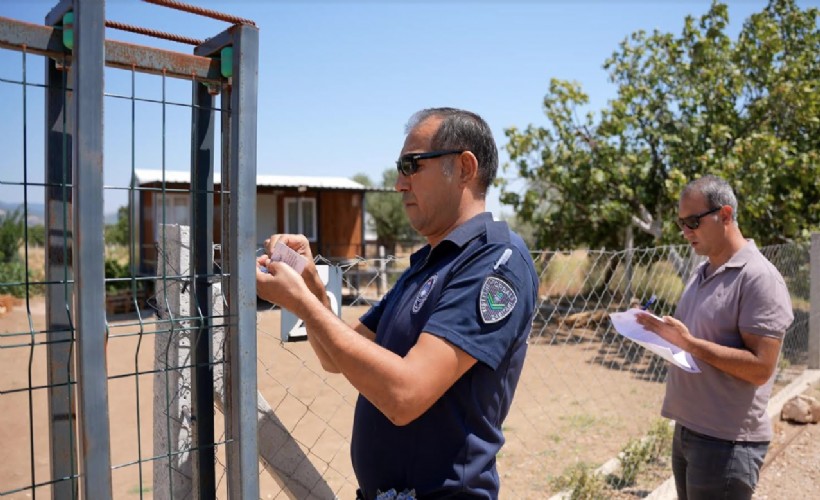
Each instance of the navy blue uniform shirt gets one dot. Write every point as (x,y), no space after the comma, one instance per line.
(477,290)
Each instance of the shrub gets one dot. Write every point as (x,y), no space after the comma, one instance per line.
(113,271)
(660,435)
(639,452)
(13,280)
(633,457)
(11,235)
(582,481)
(37,235)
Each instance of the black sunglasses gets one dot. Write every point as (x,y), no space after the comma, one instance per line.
(693,221)
(407,165)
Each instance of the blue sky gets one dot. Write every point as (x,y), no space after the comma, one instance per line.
(339,79)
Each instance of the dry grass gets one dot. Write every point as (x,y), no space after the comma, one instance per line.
(120,253)
(565,275)
(36,263)
(7,303)
(659,278)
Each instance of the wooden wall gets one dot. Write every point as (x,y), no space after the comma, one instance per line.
(340,224)
(339,221)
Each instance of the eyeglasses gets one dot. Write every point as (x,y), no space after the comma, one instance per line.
(693,221)
(407,165)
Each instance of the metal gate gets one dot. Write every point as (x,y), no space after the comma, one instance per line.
(65,358)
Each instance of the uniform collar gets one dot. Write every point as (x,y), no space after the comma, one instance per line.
(469,229)
(459,236)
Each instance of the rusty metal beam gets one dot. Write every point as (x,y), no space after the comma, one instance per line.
(36,39)
(47,41)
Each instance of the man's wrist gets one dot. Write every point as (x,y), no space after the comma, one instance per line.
(315,285)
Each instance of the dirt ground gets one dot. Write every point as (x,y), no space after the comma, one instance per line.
(792,466)
(569,408)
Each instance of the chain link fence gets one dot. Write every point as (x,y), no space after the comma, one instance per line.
(585,391)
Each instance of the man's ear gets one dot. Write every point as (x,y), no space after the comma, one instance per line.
(726,214)
(467,167)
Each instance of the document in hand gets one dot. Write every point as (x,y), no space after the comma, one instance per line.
(626,324)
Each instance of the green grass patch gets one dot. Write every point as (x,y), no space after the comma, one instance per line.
(136,490)
(582,482)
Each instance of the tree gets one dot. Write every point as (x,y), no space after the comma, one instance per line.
(11,235)
(746,110)
(386,212)
(37,235)
(119,233)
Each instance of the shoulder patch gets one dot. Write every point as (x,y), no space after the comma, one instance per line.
(497,299)
(424,292)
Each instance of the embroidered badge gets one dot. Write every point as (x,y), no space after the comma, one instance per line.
(497,300)
(424,292)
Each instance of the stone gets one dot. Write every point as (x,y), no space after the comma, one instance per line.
(801,409)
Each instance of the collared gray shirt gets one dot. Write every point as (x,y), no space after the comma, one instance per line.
(747,294)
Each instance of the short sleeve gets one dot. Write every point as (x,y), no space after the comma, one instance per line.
(483,309)
(765,305)
(373,316)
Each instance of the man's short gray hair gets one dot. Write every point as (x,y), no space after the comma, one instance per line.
(717,192)
(462,129)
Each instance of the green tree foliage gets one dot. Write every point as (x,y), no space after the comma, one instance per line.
(120,232)
(36,235)
(11,235)
(387,212)
(12,269)
(699,103)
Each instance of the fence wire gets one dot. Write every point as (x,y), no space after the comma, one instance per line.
(586,392)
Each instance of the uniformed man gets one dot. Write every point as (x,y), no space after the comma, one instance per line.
(437,360)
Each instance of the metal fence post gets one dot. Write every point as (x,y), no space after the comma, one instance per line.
(92,375)
(202,237)
(382,286)
(242,449)
(58,258)
(814,311)
(630,239)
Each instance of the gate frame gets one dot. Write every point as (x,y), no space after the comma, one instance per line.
(74,158)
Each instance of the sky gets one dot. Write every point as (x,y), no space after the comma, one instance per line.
(339,79)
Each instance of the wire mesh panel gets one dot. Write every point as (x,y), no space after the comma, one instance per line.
(98,398)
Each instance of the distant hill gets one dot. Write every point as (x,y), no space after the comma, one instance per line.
(37,212)
(110,218)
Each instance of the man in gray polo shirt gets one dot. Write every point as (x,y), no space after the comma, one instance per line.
(732,317)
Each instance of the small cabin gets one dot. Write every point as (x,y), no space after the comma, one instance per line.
(329,211)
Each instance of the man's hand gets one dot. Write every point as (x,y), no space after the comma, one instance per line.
(281,285)
(668,328)
(754,362)
(300,244)
(295,242)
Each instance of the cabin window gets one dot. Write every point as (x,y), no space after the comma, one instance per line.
(177,210)
(300,217)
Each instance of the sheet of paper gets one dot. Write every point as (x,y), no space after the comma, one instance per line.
(283,253)
(627,325)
